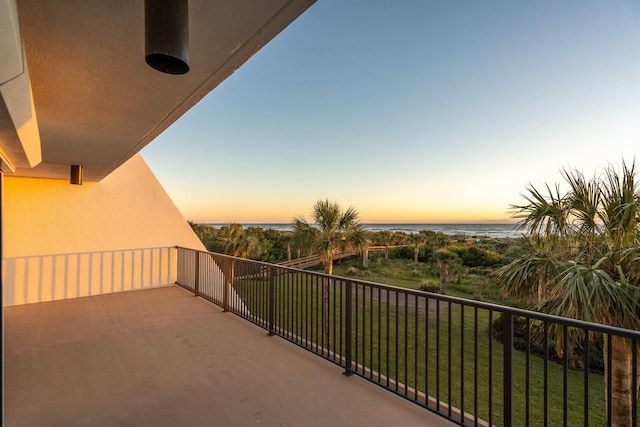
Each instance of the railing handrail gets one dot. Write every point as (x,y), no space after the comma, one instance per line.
(597,327)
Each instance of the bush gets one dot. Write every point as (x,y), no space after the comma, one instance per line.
(428,286)
(478,257)
(596,359)
(406,252)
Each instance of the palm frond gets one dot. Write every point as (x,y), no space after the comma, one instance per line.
(542,214)
(523,277)
(591,295)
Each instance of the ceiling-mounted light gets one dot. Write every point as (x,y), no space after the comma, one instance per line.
(166,25)
(76,175)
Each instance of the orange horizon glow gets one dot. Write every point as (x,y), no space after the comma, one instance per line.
(396,212)
(245,218)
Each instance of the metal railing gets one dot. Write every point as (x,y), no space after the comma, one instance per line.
(472,362)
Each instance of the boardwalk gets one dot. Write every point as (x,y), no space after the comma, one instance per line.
(310,261)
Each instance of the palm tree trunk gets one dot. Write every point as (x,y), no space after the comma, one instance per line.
(619,378)
(416,250)
(386,251)
(443,279)
(540,288)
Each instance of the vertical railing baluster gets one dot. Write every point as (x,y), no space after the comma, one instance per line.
(546,374)
(634,381)
(527,415)
(397,339)
(332,346)
(306,310)
(609,363)
(291,306)
(508,368)
(565,377)
(490,390)
(342,316)
(196,282)
(225,294)
(371,366)
(475,366)
(415,346)
(300,299)
(387,336)
(379,333)
(355,352)
(462,363)
(438,354)
(426,350)
(312,309)
(323,314)
(347,367)
(272,299)
(406,342)
(585,404)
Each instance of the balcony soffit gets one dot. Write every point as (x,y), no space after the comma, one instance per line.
(98,102)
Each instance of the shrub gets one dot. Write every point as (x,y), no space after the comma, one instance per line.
(406,252)
(428,286)
(575,360)
(477,257)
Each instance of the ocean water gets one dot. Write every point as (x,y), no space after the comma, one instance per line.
(467,230)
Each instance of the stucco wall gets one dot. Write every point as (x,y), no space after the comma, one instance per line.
(64,241)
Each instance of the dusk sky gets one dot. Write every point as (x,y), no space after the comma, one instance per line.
(411,111)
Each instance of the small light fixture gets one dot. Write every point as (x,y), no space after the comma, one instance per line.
(76,175)
(166,25)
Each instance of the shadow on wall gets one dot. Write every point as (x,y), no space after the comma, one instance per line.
(61,276)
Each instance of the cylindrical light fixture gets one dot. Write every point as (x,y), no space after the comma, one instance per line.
(166,24)
(76,175)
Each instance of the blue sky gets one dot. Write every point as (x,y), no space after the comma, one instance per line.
(411,111)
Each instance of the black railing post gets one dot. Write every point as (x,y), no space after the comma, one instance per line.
(508,368)
(196,284)
(225,293)
(272,300)
(348,308)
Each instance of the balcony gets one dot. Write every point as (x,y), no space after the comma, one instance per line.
(162,357)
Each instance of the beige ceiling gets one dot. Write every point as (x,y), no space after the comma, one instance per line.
(98,102)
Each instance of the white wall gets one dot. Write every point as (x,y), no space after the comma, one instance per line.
(64,241)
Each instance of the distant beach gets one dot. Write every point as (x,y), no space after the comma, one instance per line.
(467,230)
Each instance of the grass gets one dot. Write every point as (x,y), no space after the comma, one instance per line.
(439,355)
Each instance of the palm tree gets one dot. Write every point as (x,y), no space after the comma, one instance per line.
(416,239)
(332,230)
(385,238)
(589,268)
(240,243)
(205,233)
(237,242)
(445,260)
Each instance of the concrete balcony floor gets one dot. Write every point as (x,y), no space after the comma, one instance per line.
(162,357)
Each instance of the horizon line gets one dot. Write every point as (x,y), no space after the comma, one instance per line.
(478,222)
